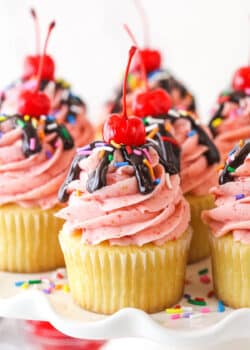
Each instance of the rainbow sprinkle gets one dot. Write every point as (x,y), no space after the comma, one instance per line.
(48,154)
(32,144)
(231,169)
(137,152)
(145,151)
(203,271)
(205,310)
(205,279)
(152,134)
(191,133)
(197,302)
(120,164)
(110,157)
(116,145)
(151,171)
(220,306)
(157,181)
(239,196)
(168,181)
(101,154)
(45,284)
(216,122)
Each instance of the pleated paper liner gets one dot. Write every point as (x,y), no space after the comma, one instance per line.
(29,239)
(199,248)
(231,270)
(106,278)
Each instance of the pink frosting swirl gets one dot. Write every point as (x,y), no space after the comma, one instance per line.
(81,129)
(232,214)
(197,177)
(234,126)
(119,214)
(35,180)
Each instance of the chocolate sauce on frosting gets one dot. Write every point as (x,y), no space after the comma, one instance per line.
(233,97)
(97,178)
(212,154)
(30,133)
(238,156)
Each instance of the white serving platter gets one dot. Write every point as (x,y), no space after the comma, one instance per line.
(59,309)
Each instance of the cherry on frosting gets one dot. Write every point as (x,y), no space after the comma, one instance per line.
(119,127)
(241,79)
(34,102)
(151,102)
(151,59)
(31,62)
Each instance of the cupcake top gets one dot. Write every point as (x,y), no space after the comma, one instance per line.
(181,98)
(194,146)
(178,134)
(34,157)
(121,191)
(232,214)
(231,120)
(66,107)
(199,155)
(122,194)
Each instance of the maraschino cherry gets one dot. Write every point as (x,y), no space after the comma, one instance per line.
(241,79)
(151,102)
(31,62)
(34,102)
(119,127)
(150,57)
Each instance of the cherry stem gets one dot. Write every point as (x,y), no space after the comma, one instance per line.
(41,63)
(143,68)
(37,30)
(124,105)
(144,19)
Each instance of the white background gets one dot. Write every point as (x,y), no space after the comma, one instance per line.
(203,42)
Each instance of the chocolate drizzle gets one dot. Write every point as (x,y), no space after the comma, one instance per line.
(31,143)
(212,154)
(168,150)
(233,97)
(29,134)
(72,175)
(239,156)
(51,126)
(97,178)
(144,180)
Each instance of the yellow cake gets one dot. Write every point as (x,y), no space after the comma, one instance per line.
(29,239)
(105,279)
(199,248)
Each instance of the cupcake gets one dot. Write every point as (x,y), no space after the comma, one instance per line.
(35,152)
(198,157)
(231,116)
(199,162)
(230,237)
(66,107)
(126,237)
